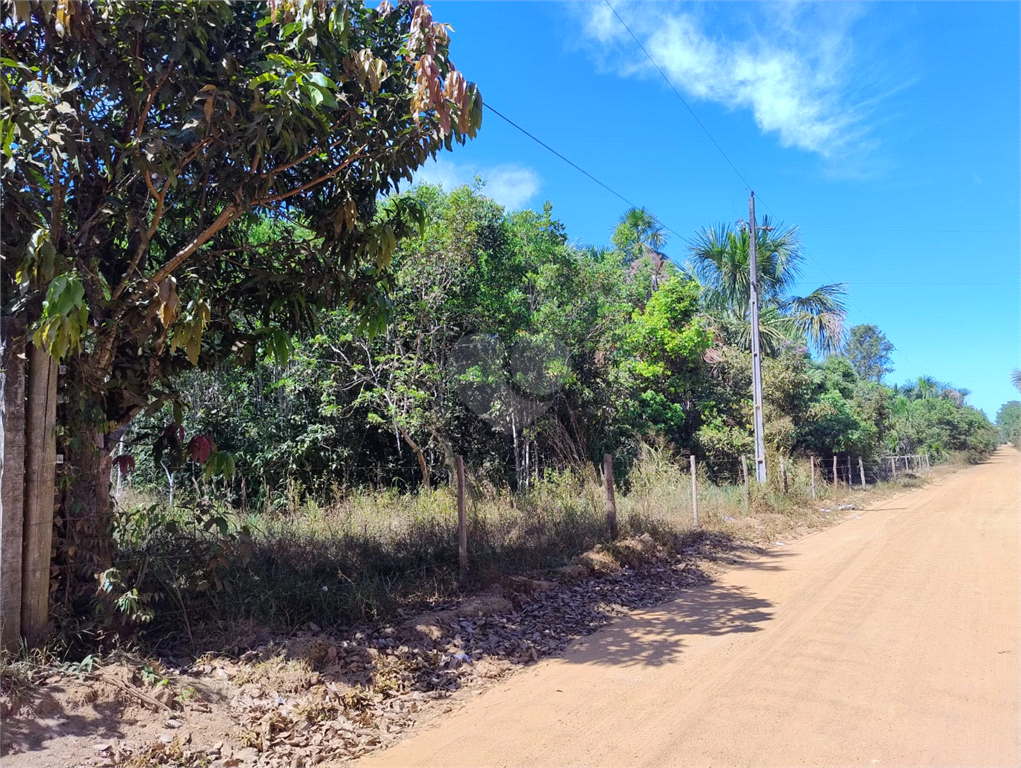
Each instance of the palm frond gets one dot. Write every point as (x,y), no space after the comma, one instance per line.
(825,298)
(720,258)
(776,330)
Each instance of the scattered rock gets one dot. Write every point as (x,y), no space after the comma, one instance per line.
(572,573)
(637,551)
(598,561)
(525,586)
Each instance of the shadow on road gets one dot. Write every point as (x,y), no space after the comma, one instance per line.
(656,636)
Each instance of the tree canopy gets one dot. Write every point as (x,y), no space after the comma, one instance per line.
(720,263)
(1009,422)
(868,350)
(185,183)
(141,139)
(485,304)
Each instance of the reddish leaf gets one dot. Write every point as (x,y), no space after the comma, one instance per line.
(125,463)
(200,448)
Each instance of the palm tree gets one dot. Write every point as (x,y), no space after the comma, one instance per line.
(926,387)
(720,262)
(1015,378)
(641,238)
(958,395)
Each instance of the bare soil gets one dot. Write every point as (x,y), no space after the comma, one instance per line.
(893,638)
(317,698)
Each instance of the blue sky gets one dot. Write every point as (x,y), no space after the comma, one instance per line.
(888,133)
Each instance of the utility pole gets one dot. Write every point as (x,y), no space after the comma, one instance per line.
(760,448)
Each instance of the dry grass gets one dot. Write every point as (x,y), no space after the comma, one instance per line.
(377,554)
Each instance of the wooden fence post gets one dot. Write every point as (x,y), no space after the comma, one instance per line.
(747,488)
(834,471)
(893,464)
(849,481)
(12,479)
(783,471)
(462,521)
(811,462)
(694,493)
(927,465)
(861,470)
(611,502)
(40,487)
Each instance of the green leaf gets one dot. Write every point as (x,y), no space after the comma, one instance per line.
(265,77)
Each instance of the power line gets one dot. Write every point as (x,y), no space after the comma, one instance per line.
(574,165)
(678,94)
(727,158)
(716,144)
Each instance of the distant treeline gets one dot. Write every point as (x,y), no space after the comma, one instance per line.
(512,346)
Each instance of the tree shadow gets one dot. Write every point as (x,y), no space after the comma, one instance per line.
(41,717)
(657,637)
(724,549)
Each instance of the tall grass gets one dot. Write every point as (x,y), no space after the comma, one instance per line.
(373,554)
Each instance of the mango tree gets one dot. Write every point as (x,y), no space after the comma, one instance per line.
(142,142)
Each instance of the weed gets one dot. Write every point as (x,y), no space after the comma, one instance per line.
(153,678)
(187,694)
(80,668)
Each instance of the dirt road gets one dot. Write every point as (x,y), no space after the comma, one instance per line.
(893,638)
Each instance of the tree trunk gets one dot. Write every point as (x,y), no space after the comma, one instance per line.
(88,514)
(87,542)
(40,485)
(423,465)
(517,453)
(528,464)
(12,478)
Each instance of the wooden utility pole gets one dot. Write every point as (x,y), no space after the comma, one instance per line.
(611,502)
(40,487)
(694,493)
(462,521)
(753,268)
(811,462)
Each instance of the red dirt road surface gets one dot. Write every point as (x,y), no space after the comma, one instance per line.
(891,639)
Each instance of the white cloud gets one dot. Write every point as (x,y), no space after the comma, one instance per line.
(511,185)
(789,64)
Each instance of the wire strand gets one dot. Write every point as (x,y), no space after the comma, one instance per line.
(574,165)
(678,94)
(731,162)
